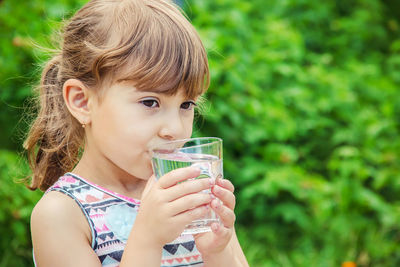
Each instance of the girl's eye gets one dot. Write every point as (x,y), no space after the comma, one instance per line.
(188,105)
(150,103)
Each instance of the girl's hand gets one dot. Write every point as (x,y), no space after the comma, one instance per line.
(214,242)
(167,206)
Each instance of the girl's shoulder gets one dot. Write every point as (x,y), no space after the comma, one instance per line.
(57,208)
(59,229)
(57,212)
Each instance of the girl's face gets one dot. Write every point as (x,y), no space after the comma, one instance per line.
(126,123)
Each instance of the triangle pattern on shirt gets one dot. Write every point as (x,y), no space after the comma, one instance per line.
(109,261)
(116,255)
(171,248)
(82,189)
(104,236)
(91,198)
(188,245)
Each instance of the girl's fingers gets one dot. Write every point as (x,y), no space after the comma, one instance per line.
(178,175)
(225,195)
(189,202)
(190,215)
(226,184)
(220,231)
(152,180)
(226,215)
(188,187)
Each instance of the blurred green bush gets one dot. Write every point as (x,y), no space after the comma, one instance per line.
(15,209)
(304,94)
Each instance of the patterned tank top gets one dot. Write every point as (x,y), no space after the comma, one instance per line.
(111,217)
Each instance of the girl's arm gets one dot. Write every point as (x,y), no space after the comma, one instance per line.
(221,246)
(238,252)
(231,256)
(61,234)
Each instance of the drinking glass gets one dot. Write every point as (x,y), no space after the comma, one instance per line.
(204,153)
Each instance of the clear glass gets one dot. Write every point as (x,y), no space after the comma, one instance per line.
(203,152)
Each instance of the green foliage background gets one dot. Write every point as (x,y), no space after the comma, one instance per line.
(304,94)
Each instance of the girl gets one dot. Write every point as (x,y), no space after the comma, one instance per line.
(127,77)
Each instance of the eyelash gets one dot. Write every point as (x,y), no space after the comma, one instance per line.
(153,101)
(147,101)
(191,103)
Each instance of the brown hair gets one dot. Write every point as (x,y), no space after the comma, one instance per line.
(149,42)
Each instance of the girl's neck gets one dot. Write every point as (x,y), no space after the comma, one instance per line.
(104,173)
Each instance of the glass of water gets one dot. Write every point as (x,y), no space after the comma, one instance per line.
(204,153)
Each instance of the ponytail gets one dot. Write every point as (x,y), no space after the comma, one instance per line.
(55,137)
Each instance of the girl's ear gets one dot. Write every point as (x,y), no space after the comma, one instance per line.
(76,96)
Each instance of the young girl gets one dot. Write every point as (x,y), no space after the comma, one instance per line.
(127,77)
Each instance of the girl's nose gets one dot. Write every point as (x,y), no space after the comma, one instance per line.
(173,127)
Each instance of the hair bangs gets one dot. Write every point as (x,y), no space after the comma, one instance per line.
(166,56)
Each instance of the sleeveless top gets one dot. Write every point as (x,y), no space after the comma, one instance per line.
(111,217)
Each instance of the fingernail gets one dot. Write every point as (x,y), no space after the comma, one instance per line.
(215,227)
(217,189)
(216,204)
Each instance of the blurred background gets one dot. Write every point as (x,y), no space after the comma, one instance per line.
(305,95)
